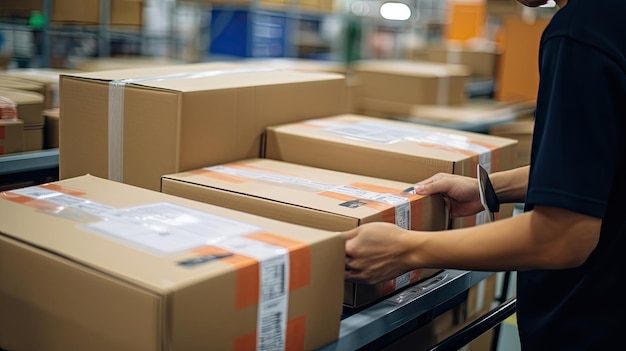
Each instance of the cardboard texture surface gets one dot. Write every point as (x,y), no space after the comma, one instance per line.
(314,197)
(391,87)
(196,115)
(388,149)
(11,136)
(144,278)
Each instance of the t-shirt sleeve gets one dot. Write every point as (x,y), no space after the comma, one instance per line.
(576,138)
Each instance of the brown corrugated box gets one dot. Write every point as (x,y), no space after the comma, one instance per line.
(391,87)
(481,62)
(11,136)
(143,279)
(30,105)
(193,116)
(388,149)
(314,197)
(475,112)
(48,77)
(51,128)
(33,137)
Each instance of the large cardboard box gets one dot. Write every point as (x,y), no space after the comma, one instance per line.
(11,136)
(318,198)
(171,119)
(481,62)
(391,87)
(92,264)
(30,105)
(388,149)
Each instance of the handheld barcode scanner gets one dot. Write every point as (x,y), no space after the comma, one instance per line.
(488,196)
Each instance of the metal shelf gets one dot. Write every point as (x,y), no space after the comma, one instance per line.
(421,302)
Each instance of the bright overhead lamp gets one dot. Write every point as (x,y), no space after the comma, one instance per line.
(395,11)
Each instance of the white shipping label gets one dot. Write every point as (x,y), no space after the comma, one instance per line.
(270,177)
(402,204)
(273,289)
(168,228)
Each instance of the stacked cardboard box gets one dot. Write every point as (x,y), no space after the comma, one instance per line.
(94,264)
(11,136)
(318,198)
(29,111)
(389,149)
(392,87)
(137,125)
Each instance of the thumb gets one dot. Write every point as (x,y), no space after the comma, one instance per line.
(350,234)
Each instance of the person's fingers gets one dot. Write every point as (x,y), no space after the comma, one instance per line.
(434,186)
(349,234)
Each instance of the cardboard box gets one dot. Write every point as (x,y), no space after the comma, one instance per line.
(47,77)
(33,137)
(388,149)
(51,128)
(517,76)
(522,131)
(482,63)
(11,136)
(30,105)
(183,117)
(160,273)
(476,114)
(391,87)
(314,197)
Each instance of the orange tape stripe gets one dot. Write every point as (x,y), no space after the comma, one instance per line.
(233,178)
(247,268)
(29,201)
(299,257)
(62,189)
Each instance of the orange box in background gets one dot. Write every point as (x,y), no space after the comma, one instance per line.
(518,72)
(315,197)
(98,265)
(466,20)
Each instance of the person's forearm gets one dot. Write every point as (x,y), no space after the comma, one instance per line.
(511,185)
(549,238)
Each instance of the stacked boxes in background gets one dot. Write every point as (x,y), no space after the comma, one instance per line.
(389,149)
(29,107)
(391,87)
(136,125)
(11,135)
(318,198)
(125,268)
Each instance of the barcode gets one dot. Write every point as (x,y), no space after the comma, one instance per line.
(273,282)
(271,333)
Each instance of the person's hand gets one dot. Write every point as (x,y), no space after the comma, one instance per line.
(376,252)
(460,194)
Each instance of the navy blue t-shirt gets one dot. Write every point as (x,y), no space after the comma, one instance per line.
(577,163)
